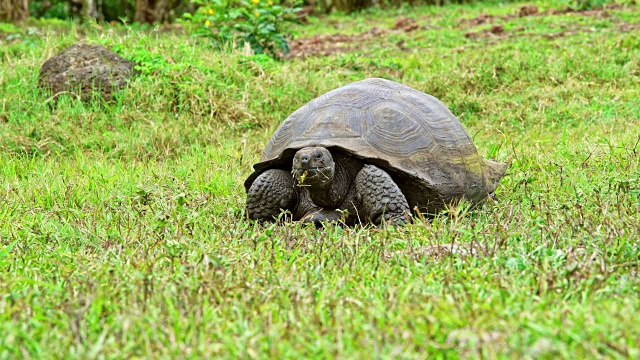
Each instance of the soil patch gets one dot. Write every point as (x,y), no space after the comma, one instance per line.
(325,45)
(406,24)
(532,10)
(497,32)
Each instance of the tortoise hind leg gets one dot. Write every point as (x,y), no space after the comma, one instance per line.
(270,193)
(380,197)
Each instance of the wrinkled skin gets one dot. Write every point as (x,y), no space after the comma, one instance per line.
(327,187)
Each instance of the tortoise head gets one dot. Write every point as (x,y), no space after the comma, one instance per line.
(313,167)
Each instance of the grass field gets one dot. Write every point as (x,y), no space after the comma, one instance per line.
(121,224)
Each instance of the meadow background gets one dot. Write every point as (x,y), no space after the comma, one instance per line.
(121,226)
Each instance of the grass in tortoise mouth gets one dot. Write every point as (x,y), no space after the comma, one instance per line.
(302,174)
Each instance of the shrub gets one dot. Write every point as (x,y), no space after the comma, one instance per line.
(588,4)
(260,23)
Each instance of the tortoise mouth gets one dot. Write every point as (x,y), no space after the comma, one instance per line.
(312,171)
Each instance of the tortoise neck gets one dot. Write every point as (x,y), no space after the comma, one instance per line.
(324,195)
(334,192)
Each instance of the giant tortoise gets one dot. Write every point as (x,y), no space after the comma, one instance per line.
(371,151)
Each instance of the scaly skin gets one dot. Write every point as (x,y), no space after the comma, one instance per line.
(380,198)
(272,192)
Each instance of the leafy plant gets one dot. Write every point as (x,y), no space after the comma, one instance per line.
(56,9)
(260,23)
(588,4)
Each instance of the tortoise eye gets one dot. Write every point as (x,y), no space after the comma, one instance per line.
(319,156)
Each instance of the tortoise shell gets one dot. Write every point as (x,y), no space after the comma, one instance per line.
(410,134)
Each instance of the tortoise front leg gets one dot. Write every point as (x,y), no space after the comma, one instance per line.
(308,212)
(380,197)
(271,192)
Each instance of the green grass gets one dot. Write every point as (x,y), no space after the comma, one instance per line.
(122,231)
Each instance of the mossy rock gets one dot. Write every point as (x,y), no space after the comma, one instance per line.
(86,70)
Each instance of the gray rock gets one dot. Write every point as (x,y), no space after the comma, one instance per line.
(85,70)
